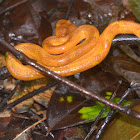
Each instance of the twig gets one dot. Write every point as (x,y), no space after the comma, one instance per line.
(94,125)
(135,136)
(30,95)
(13,6)
(38,118)
(28,129)
(4,101)
(110,114)
(124,39)
(69,9)
(26,60)
(120,39)
(43,123)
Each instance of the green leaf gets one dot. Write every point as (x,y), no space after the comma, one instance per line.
(91,112)
(135,6)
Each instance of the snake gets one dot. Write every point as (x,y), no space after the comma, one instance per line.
(72,50)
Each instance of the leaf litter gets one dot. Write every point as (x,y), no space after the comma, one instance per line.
(97,13)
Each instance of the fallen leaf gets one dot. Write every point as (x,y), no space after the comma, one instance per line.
(123,128)
(5,118)
(26,134)
(5,114)
(135,7)
(65,104)
(27,26)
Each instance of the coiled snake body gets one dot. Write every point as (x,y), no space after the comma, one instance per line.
(64,54)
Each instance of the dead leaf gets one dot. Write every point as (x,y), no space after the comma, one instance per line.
(65,103)
(123,128)
(26,134)
(27,26)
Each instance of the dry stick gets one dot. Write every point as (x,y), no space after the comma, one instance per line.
(46,72)
(123,39)
(27,129)
(110,114)
(4,101)
(13,6)
(69,9)
(5,74)
(38,118)
(31,94)
(135,136)
(94,125)
(120,39)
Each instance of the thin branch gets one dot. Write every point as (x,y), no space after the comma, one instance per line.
(43,123)
(94,125)
(120,39)
(135,136)
(13,6)
(38,118)
(25,132)
(30,95)
(112,111)
(124,39)
(26,60)
(69,9)
(4,101)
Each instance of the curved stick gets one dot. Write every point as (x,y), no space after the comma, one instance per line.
(24,59)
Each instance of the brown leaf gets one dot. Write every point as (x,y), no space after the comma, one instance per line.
(5,118)
(65,103)
(27,26)
(123,128)
(4,122)
(26,134)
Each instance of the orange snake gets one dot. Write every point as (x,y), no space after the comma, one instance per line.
(64,54)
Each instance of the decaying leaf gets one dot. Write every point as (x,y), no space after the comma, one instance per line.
(127,49)
(43,98)
(26,134)
(73,133)
(129,70)
(27,87)
(29,25)
(5,118)
(123,128)
(66,105)
(135,6)
(23,106)
(5,113)
(33,25)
